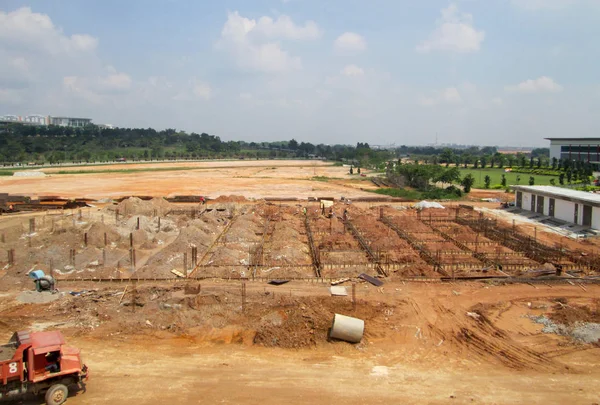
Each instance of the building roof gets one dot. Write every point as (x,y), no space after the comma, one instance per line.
(574,139)
(583,197)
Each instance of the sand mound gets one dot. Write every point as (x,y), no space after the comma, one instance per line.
(136,206)
(96,235)
(230,198)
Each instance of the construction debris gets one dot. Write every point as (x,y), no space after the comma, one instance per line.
(338,291)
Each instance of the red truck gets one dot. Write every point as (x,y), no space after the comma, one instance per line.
(40,363)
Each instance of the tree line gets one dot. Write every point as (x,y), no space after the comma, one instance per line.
(53,144)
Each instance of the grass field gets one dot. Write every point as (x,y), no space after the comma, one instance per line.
(511,178)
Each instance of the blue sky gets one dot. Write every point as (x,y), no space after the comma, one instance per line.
(499,72)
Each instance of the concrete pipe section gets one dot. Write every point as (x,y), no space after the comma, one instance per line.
(347,328)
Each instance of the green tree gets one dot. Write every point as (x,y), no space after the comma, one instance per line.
(569,176)
(487,180)
(503,180)
(531,181)
(523,161)
(561,179)
(501,159)
(467,182)
(483,160)
(553,182)
(447,176)
(554,162)
(531,162)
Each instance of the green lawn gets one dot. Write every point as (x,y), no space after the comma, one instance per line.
(511,178)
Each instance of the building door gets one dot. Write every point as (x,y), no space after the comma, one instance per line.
(587,215)
(540,204)
(551,201)
(519,199)
(576,216)
(532,202)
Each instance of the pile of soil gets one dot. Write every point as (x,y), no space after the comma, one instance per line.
(339,241)
(302,322)
(568,314)
(229,198)
(136,206)
(96,233)
(287,246)
(34,297)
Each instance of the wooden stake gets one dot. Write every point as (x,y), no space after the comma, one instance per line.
(124,291)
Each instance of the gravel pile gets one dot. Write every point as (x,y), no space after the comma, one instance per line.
(584,332)
(34,297)
(29,173)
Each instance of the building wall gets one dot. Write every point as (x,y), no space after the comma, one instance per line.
(554,151)
(576,150)
(526,201)
(564,210)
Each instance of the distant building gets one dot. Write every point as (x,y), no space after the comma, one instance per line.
(578,207)
(46,120)
(584,149)
(70,121)
(10,118)
(35,119)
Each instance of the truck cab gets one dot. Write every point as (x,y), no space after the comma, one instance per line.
(40,362)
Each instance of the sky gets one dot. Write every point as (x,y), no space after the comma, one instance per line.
(404,72)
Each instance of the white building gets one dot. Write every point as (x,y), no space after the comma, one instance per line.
(36,119)
(70,121)
(568,205)
(586,149)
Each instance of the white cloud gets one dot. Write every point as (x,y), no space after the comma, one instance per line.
(285,28)
(28,30)
(203,90)
(95,89)
(350,41)
(247,41)
(11,97)
(115,82)
(19,63)
(454,33)
(84,42)
(352,71)
(543,4)
(449,95)
(497,101)
(543,84)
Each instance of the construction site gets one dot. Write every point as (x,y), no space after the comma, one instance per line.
(460,301)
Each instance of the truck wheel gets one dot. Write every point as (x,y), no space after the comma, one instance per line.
(57,394)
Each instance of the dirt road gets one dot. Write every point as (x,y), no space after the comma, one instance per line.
(252,179)
(177,371)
